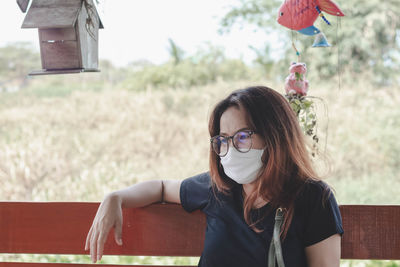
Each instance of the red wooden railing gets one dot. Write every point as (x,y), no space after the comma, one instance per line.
(371,232)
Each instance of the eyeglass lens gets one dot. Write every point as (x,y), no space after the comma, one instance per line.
(241,141)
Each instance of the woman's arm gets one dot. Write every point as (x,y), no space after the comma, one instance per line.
(109,213)
(145,193)
(325,253)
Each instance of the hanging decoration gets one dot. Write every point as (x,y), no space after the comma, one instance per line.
(296,83)
(296,88)
(300,15)
(68,34)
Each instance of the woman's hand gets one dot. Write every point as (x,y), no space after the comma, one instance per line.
(108,215)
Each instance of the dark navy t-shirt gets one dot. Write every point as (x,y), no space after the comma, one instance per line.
(229,241)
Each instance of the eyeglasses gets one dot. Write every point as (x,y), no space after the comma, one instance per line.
(240,140)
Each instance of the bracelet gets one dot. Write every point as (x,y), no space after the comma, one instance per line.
(162,191)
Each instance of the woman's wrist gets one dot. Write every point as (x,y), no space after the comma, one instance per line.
(115,197)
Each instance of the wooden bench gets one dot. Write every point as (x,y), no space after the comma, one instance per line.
(371,232)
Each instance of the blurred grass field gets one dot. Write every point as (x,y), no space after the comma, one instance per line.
(78,145)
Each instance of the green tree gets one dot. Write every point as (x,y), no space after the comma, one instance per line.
(263,58)
(207,65)
(258,12)
(175,51)
(16,61)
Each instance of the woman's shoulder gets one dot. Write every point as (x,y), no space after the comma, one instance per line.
(319,211)
(317,186)
(315,183)
(314,190)
(203,180)
(194,191)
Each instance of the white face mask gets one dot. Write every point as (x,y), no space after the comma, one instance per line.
(242,167)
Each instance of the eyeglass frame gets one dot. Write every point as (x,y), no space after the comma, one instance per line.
(250,132)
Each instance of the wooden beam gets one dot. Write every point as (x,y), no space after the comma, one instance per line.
(61,228)
(371,232)
(41,264)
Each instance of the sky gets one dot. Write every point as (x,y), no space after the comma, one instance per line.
(139,30)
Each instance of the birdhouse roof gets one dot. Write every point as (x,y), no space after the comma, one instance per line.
(54,14)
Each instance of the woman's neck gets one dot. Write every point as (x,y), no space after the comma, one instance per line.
(247,190)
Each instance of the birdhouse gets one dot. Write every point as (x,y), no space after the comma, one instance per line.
(68,35)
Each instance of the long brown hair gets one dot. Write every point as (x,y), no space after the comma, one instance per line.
(286,162)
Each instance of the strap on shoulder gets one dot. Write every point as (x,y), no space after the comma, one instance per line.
(275,249)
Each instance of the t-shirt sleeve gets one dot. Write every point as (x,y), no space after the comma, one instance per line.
(322,218)
(194,192)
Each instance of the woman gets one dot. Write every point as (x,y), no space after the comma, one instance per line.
(258,164)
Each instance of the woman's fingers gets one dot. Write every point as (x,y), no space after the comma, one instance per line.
(96,239)
(108,215)
(93,246)
(118,232)
(100,245)
(87,243)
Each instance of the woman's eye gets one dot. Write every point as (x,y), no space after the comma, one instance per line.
(243,136)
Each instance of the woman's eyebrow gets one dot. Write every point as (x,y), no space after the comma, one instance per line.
(241,129)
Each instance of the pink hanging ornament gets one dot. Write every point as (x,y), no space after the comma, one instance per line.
(296,83)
